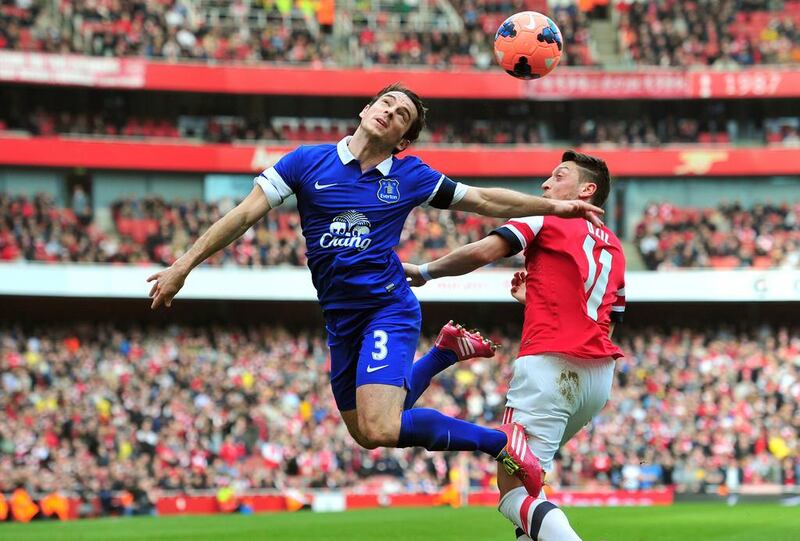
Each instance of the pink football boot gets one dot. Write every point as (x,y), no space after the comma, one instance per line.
(465,344)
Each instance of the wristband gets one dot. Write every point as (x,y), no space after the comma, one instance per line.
(423,271)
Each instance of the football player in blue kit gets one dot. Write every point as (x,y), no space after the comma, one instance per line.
(353,198)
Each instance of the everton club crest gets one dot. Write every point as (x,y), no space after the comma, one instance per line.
(389,190)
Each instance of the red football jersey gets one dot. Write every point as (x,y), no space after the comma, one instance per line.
(575,285)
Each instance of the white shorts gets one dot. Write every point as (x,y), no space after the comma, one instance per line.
(554,396)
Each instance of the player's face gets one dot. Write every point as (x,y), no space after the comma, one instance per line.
(565,183)
(389,118)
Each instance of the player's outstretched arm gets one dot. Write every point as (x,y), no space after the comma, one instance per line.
(502,203)
(224,231)
(460,261)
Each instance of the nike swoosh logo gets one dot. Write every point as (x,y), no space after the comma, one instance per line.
(319,186)
(371,369)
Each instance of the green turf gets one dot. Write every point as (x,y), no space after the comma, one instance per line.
(685,522)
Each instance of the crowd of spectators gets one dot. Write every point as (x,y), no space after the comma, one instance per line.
(640,132)
(170,29)
(151,230)
(722,33)
(95,409)
(471,47)
(671,33)
(644,131)
(728,236)
(272,30)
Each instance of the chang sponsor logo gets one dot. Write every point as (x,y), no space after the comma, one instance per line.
(348,230)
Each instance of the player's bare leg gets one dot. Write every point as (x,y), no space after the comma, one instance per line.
(536,518)
(383,422)
(379,408)
(350,418)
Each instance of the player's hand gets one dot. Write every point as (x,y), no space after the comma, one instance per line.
(167,284)
(579,209)
(413,276)
(518,287)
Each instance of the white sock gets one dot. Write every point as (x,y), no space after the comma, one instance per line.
(538,518)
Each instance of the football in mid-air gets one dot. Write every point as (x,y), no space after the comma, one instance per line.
(528,45)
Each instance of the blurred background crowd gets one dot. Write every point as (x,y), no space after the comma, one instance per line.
(152,230)
(120,413)
(654,129)
(96,410)
(402,32)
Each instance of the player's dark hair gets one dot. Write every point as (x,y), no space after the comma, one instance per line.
(422,111)
(591,170)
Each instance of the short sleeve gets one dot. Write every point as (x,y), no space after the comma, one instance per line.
(282,179)
(520,232)
(446,193)
(618,308)
(438,190)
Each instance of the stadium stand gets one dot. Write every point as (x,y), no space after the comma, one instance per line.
(458,33)
(101,410)
(729,236)
(123,412)
(721,33)
(650,130)
(151,230)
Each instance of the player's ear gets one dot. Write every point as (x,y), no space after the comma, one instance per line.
(363,111)
(402,145)
(588,189)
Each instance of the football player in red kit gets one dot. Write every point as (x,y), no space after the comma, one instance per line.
(573,289)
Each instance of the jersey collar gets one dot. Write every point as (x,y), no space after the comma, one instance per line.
(346,156)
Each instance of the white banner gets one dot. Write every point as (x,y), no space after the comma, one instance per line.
(294,284)
(65,69)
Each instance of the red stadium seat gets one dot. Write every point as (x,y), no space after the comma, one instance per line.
(462,61)
(725,262)
(762,262)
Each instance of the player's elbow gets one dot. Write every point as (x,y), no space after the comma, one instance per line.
(486,251)
(481,258)
(238,222)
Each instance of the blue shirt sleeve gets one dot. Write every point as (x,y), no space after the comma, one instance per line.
(282,179)
(437,190)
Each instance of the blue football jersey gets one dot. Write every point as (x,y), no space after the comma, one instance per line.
(352,220)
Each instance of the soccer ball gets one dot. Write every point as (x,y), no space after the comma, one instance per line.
(528,45)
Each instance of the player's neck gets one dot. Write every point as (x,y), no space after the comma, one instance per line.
(368,151)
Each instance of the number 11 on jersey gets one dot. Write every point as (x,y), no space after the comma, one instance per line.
(596,283)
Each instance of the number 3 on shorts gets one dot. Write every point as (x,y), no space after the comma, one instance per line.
(380,345)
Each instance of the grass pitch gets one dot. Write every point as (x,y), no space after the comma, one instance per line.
(684,522)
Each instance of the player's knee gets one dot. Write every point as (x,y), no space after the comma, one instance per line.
(366,443)
(359,438)
(378,432)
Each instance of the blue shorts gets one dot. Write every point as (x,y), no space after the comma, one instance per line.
(375,345)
